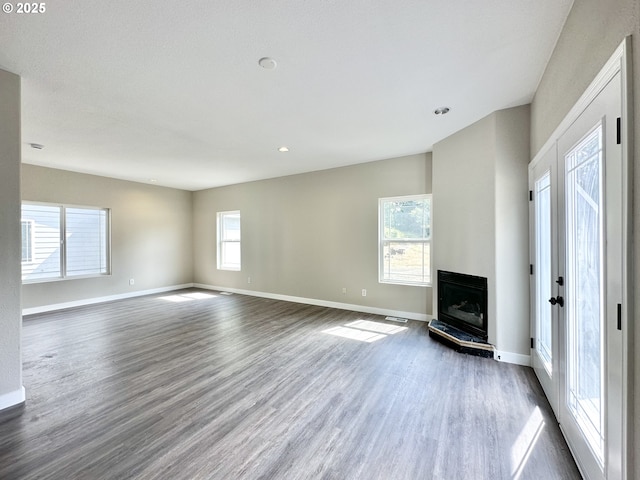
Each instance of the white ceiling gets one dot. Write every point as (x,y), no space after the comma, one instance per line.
(172,91)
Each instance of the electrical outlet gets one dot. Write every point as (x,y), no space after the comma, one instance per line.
(364,292)
(344,290)
(248,279)
(132,281)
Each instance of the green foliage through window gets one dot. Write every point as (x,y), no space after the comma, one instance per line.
(405,240)
(407,219)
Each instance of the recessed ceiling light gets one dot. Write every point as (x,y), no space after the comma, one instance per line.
(267,63)
(37,146)
(283,149)
(441,110)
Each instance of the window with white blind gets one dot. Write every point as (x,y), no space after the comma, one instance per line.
(60,242)
(229,240)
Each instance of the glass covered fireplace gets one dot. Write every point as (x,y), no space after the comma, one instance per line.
(462,302)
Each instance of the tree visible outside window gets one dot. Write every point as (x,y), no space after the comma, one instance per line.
(229,240)
(405,240)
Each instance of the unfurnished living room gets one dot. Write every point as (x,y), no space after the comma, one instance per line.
(301,239)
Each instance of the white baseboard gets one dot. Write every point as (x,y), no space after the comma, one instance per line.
(108,298)
(12,399)
(516,358)
(321,303)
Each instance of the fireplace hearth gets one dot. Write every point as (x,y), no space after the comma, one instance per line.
(462,313)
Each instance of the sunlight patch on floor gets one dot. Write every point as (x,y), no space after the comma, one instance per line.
(199,295)
(525,443)
(376,327)
(354,334)
(187,297)
(365,330)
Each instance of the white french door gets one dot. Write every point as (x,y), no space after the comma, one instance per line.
(577,257)
(590,256)
(543,179)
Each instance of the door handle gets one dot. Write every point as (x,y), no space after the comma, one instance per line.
(559,300)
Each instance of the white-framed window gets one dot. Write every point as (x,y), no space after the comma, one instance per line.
(405,240)
(229,240)
(63,241)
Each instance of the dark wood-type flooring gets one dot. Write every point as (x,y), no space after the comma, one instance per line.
(237,387)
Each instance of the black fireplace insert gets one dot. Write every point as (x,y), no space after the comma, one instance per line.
(462,302)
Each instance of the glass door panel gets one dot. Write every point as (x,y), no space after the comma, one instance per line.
(543,280)
(584,287)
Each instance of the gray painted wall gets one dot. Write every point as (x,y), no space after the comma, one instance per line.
(10,248)
(312,234)
(512,229)
(593,30)
(481,218)
(151,234)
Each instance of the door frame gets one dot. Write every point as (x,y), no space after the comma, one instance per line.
(620,61)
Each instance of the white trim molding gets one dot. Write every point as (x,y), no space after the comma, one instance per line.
(12,399)
(510,357)
(108,298)
(422,317)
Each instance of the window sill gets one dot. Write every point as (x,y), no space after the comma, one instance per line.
(407,284)
(63,279)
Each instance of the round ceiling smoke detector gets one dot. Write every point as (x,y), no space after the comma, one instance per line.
(37,146)
(267,63)
(441,110)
